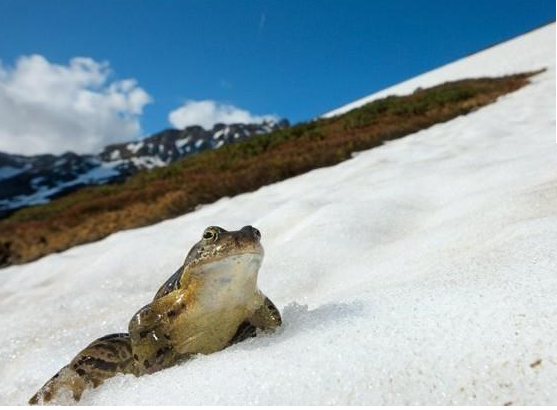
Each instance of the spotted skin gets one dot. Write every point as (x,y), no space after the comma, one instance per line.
(267,317)
(171,284)
(209,303)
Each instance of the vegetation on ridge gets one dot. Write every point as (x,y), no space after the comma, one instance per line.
(148,197)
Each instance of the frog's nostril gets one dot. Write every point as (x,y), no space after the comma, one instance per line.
(253,231)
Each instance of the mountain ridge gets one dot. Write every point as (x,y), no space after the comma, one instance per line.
(31,180)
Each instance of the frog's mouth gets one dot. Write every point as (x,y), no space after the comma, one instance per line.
(239,264)
(221,253)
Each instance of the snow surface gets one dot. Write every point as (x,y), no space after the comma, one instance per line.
(419,272)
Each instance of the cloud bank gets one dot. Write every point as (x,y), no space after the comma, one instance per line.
(51,108)
(208,113)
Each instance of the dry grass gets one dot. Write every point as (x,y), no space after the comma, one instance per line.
(149,197)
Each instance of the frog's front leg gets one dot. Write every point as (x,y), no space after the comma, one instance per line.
(266,318)
(152,347)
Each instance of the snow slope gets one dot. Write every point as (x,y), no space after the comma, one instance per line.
(420,272)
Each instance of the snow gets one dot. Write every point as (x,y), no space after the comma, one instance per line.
(95,175)
(60,162)
(418,272)
(182,142)
(147,162)
(134,147)
(43,194)
(35,182)
(115,155)
(8,172)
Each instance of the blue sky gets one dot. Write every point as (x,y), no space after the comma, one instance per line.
(296,59)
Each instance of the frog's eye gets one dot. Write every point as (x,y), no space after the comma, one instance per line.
(210,234)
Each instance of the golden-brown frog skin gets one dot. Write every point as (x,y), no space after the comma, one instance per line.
(211,302)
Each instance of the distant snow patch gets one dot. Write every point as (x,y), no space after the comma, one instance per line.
(8,172)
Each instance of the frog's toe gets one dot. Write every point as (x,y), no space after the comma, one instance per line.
(62,388)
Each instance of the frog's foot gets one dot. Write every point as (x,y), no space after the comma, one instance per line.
(64,384)
(102,359)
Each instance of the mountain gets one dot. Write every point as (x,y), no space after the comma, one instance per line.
(30,180)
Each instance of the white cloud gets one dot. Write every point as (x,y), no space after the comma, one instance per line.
(51,108)
(208,113)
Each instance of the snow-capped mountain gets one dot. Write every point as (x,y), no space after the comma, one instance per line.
(36,179)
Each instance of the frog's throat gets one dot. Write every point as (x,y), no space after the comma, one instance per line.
(228,282)
(238,267)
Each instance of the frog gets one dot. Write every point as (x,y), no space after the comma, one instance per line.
(211,302)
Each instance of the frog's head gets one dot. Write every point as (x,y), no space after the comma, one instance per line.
(226,256)
(217,243)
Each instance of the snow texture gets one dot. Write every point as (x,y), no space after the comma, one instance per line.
(419,272)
